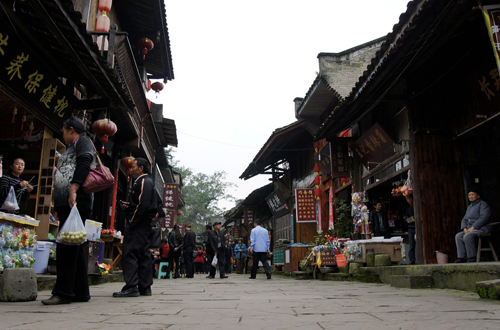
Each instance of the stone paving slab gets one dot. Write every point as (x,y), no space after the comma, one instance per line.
(241,303)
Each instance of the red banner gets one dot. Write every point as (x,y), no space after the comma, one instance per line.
(248,216)
(306,205)
(171,196)
(330,209)
(168,221)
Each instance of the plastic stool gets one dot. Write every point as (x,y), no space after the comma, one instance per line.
(160,269)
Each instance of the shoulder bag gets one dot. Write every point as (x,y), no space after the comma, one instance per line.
(99,178)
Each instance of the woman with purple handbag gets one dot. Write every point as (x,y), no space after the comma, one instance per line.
(72,169)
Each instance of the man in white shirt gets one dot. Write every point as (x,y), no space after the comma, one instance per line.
(259,246)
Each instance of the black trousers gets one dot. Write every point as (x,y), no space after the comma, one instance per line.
(259,256)
(189,261)
(220,262)
(208,263)
(71,263)
(136,258)
(174,257)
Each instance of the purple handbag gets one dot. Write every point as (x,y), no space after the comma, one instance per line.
(99,178)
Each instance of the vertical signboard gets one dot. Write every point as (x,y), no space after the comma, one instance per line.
(171,196)
(248,216)
(492,19)
(330,209)
(340,160)
(324,159)
(306,205)
(168,220)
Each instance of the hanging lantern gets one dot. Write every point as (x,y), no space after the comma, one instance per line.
(316,146)
(104,128)
(316,169)
(179,212)
(148,88)
(128,162)
(102,24)
(318,192)
(157,87)
(145,46)
(316,181)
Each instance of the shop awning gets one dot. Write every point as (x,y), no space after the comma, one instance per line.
(284,144)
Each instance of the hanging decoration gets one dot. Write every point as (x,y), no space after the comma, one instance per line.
(102,24)
(14,113)
(148,88)
(317,178)
(23,120)
(179,212)
(145,46)
(104,128)
(32,127)
(127,163)
(157,87)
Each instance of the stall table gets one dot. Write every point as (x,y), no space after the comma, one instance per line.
(391,247)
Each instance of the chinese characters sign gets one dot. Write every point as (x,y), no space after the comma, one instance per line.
(168,220)
(26,76)
(306,205)
(248,216)
(323,159)
(340,161)
(234,232)
(373,147)
(492,20)
(277,204)
(171,196)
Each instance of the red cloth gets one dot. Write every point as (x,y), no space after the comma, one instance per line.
(200,256)
(164,249)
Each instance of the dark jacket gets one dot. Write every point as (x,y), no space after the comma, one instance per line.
(477,216)
(189,239)
(142,208)
(212,238)
(375,224)
(175,242)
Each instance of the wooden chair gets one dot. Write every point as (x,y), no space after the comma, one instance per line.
(487,237)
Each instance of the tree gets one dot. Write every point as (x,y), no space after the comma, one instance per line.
(201,194)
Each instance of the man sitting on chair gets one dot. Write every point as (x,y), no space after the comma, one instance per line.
(474,223)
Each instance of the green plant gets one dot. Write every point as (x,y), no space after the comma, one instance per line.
(343,223)
(303,264)
(320,239)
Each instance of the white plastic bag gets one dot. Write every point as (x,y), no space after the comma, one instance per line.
(214,261)
(73,231)
(10,203)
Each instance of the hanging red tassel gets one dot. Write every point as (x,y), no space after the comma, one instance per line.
(102,150)
(14,113)
(128,178)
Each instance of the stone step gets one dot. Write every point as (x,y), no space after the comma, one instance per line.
(488,289)
(412,281)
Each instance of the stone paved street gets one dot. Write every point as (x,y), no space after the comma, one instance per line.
(280,303)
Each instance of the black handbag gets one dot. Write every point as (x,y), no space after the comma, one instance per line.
(155,238)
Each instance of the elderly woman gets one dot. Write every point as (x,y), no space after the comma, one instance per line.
(72,170)
(240,253)
(12,178)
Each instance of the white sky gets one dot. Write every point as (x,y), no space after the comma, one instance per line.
(238,66)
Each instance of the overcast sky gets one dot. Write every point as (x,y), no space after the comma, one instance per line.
(238,65)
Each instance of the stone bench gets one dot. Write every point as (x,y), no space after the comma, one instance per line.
(18,284)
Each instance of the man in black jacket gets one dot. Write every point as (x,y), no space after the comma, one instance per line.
(379,224)
(217,242)
(208,250)
(189,245)
(136,258)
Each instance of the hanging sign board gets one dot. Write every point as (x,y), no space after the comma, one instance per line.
(248,216)
(168,220)
(277,204)
(340,160)
(305,201)
(171,196)
(324,159)
(373,147)
(492,19)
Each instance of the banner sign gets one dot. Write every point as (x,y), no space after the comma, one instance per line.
(306,205)
(171,196)
(234,232)
(373,147)
(277,204)
(340,161)
(168,220)
(25,75)
(330,209)
(248,216)
(491,17)
(324,159)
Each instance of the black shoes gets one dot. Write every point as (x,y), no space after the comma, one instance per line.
(224,276)
(132,292)
(471,260)
(145,292)
(56,300)
(210,277)
(268,276)
(252,278)
(460,260)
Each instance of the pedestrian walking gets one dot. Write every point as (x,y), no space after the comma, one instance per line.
(229,253)
(199,261)
(189,245)
(208,250)
(240,254)
(259,247)
(73,167)
(136,258)
(217,243)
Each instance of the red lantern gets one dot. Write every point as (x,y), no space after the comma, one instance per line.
(318,192)
(128,162)
(105,5)
(179,212)
(103,23)
(316,180)
(157,87)
(316,168)
(104,128)
(145,46)
(148,88)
